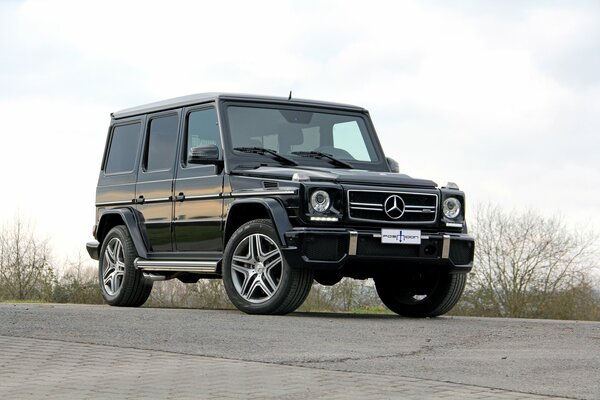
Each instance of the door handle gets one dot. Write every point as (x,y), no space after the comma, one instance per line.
(180,197)
(139,200)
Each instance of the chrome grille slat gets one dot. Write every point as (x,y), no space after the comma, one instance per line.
(368,205)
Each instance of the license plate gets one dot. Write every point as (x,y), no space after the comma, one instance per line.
(401,236)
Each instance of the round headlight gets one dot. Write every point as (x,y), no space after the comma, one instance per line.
(320,201)
(451,207)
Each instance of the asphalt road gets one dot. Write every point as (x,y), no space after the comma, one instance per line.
(552,358)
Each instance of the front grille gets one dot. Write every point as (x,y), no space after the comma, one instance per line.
(417,208)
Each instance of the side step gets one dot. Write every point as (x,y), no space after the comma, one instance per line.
(203,267)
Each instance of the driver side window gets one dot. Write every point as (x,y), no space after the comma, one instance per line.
(202,129)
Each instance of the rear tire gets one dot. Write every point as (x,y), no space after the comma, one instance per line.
(256,276)
(121,283)
(420,296)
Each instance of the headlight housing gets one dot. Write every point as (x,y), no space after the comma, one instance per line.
(451,207)
(320,201)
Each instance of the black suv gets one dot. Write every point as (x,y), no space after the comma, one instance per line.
(270,194)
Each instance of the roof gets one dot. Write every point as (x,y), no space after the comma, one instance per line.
(199,98)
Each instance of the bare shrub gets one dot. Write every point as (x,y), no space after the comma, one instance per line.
(25,263)
(347,295)
(79,283)
(207,293)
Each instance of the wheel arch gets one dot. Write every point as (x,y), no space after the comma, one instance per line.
(245,210)
(122,216)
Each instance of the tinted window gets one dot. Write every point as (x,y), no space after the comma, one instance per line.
(162,140)
(123,149)
(202,129)
(348,136)
(287,131)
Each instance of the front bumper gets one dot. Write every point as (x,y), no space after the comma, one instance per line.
(93,249)
(331,249)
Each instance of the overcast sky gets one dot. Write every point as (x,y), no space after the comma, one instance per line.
(502,98)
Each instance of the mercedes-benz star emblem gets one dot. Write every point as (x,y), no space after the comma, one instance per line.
(394,206)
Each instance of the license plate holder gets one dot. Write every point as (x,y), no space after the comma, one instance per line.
(400,236)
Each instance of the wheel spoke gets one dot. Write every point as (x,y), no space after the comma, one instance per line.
(249,286)
(108,278)
(241,269)
(265,288)
(109,270)
(272,263)
(254,247)
(110,254)
(268,284)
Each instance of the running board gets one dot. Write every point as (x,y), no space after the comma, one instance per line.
(205,267)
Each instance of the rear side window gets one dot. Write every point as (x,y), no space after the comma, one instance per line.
(162,141)
(123,149)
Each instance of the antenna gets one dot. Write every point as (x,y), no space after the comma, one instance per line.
(290,96)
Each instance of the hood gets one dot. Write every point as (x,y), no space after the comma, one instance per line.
(353,176)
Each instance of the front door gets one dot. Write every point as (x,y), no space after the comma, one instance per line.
(198,218)
(154,190)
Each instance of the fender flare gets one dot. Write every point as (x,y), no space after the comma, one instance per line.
(130,219)
(274,208)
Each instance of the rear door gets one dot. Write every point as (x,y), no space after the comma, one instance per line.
(198,221)
(154,190)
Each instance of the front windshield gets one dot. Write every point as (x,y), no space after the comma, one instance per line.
(293,132)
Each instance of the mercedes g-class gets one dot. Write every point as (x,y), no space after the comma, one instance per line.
(270,194)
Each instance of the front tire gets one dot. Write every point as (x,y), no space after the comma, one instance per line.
(422,295)
(256,276)
(120,282)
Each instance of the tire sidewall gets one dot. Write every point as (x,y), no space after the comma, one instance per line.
(264,227)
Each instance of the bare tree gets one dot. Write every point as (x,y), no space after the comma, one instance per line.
(25,270)
(78,283)
(523,260)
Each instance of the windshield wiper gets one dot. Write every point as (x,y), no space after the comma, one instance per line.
(319,155)
(267,152)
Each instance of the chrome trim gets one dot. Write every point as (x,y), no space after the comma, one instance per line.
(114,203)
(367,209)
(156,200)
(366,204)
(352,243)
(203,197)
(184,266)
(446,246)
(263,193)
(392,192)
(192,220)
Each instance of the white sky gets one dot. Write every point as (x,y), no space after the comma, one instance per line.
(501,97)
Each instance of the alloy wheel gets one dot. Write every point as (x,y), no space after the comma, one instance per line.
(114,267)
(256,268)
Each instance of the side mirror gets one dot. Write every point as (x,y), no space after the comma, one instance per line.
(393,164)
(206,154)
